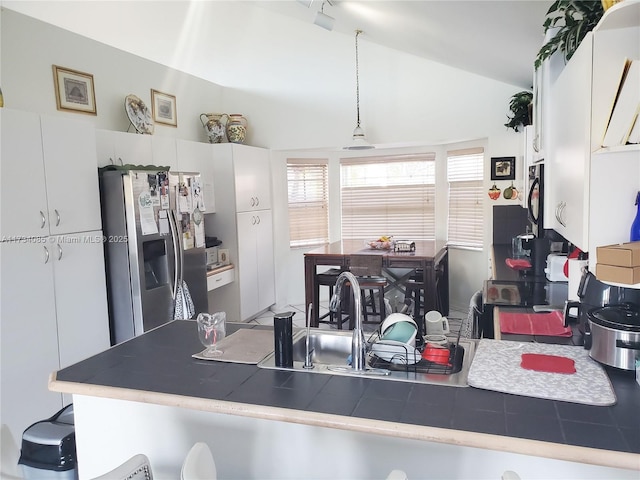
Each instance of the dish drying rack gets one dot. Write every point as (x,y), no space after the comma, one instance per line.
(400,355)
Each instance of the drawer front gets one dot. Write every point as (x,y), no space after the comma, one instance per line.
(219,279)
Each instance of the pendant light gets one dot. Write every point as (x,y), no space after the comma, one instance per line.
(359,141)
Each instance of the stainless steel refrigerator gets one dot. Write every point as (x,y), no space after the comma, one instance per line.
(154,248)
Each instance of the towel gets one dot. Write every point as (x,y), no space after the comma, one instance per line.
(550,324)
(183,308)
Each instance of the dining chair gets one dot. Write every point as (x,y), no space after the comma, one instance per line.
(328,279)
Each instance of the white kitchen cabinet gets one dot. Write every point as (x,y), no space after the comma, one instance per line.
(252,178)
(73,194)
(568,189)
(256,268)
(198,157)
(23,196)
(582,98)
(121,148)
(81,296)
(29,336)
(242,173)
(48,164)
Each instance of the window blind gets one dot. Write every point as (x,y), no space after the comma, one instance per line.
(465,178)
(307,184)
(388,195)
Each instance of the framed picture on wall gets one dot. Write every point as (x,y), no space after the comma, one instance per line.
(75,91)
(163,107)
(503,168)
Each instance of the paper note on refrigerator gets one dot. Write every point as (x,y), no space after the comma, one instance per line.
(148,223)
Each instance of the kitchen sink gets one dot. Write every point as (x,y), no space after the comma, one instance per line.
(330,351)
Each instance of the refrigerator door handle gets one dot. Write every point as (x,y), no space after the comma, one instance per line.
(176,245)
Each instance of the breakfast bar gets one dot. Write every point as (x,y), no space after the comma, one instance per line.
(149,395)
(430,257)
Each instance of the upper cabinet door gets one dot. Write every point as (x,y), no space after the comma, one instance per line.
(252,177)
(71,172)
(23,199)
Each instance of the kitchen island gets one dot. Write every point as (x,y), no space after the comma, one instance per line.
(148,395)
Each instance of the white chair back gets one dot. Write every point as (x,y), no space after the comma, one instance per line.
(136,468)
(199,464)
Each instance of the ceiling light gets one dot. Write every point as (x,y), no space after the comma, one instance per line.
(323,20)
(359,142)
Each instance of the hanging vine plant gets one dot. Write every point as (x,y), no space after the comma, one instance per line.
(574,19)
(520,106)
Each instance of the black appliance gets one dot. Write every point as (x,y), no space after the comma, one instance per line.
(535,199)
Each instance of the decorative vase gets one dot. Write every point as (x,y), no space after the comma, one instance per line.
(635,226)
(236,128)
(214,125)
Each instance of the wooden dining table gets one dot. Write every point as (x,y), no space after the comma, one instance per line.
(430,257)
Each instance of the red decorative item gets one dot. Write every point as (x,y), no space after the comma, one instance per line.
(548,363)
(575,254)
(518,263)
(494,192)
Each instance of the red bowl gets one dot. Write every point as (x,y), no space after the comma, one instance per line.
(437,355)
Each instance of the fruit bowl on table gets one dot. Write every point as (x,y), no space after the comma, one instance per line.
(379,245)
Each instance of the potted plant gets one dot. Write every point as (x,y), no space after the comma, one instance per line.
(573,19)
(520,106)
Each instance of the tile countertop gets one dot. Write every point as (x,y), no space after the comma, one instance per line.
(157,368)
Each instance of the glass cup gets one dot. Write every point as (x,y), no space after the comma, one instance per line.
(211,330)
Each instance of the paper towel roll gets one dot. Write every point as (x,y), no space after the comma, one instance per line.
(575,274)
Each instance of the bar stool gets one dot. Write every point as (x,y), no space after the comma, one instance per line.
(368,271)
(328,279)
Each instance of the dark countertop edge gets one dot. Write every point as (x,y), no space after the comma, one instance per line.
(572,453)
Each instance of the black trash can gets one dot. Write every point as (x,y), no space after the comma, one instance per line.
(49,448)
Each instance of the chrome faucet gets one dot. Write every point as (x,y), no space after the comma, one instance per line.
(358,344)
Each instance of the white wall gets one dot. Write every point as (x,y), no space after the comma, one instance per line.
(294,82)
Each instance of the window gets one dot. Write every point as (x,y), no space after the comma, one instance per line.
(464,174)
(389,195)
(307,181)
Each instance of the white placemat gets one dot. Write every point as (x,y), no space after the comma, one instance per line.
(243,346)
(496,366)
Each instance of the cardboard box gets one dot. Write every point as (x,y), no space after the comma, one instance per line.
(621,255)
(613,273)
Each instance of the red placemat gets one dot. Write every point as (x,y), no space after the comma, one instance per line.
(550,324)
(547,363)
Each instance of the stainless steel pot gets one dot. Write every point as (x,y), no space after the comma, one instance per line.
(612,335)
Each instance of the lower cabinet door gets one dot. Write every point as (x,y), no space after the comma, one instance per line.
(247,264)
(81,296)
(28,333)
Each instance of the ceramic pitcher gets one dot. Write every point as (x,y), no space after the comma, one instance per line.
(236,128)
(215,125)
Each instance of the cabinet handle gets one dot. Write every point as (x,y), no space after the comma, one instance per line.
(57,217)
(43,219)
(253,220)
(252,202)
(562,222)
(46,255)
(59,252)
(257,201)
(257,220)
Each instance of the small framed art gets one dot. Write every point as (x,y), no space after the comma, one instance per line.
(163,107)
(75,91)
(503,168)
